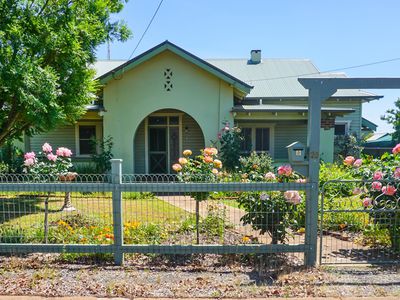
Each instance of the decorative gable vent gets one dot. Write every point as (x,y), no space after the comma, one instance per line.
(168,80)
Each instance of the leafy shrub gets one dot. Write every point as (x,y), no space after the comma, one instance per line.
(272,212)
(345,145)
(338,172)
(101,158)
(255,166)
(230,140)
(138,233)
(11,159)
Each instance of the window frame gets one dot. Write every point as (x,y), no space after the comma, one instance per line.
(99,134)
(253,127)
(346,124)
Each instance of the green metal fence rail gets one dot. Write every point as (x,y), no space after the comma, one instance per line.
(114,199)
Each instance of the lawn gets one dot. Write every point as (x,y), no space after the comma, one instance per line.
(22,217)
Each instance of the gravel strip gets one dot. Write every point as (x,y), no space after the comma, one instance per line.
(213,276)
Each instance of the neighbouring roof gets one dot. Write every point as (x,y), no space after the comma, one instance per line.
(271,78)
(286,108)
(379,136)
(368,125)
(379,140)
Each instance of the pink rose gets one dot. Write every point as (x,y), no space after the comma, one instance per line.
(378,175)
(285,170)
(64,152)
(29,155)
(176,167)
(396,173)
(51,157)
(349,160)
(214,171)
(389,190)
(270,176)
(396,149)
(357,163)
(29,162)
(292,197)
(367,202)
(46,148)
(376,185)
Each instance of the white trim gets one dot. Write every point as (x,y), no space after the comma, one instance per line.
(99,134)
(146,146)
(346,124)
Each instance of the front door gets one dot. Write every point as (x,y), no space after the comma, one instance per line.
(164,143)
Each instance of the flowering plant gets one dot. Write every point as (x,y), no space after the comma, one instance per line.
(46,162)
(273,212)
(202,168)
(54,166)
(381,194)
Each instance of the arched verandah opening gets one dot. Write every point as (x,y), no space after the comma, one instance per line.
(160,139)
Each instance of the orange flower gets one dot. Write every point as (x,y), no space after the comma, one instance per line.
(176,167)
(217,163)
(183,161)
(208,159)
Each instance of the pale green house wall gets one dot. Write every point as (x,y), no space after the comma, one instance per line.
(131,97)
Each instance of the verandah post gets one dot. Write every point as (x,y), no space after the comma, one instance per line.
(116,180)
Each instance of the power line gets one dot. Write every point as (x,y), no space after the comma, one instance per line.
(147,28)
(329,71)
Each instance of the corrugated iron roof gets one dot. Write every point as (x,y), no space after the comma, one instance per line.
(272,78)
(277,78)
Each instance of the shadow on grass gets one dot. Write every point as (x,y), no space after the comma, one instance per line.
(22,205)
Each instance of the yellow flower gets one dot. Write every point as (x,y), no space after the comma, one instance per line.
(246,239)
(182,161)
(217,163)
(187,152)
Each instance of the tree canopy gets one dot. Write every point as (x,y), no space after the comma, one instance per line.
(46,49)
(393,117)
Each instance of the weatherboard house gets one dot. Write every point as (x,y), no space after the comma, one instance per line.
(166,100)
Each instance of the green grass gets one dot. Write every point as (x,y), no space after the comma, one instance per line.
(27,210)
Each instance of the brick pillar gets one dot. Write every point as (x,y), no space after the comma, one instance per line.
(327,122)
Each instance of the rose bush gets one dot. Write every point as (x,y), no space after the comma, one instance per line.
(47,163)
(274,212)
(381,193)
(47,166)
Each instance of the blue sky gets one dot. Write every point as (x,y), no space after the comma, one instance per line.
(332,33)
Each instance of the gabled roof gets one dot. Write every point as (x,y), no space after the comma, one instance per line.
(238,84)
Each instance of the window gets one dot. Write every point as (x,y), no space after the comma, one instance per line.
(86,134)
(257,139)
(342,127)
(262,139)
(246,144)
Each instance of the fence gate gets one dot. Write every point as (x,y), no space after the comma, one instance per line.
(355,228)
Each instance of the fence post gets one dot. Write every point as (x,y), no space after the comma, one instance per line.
(116,179)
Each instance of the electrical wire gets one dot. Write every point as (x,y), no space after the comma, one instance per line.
(147,28)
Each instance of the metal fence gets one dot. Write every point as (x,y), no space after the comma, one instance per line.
(357,229)
(146,214)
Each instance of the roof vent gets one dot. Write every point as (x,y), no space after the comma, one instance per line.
(255,57)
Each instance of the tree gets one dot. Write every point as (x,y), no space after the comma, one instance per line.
(46,49)
(393,117)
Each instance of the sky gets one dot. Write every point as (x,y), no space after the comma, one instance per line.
(334,34)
